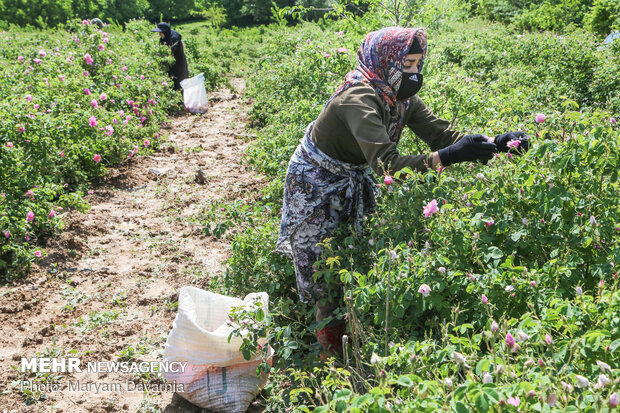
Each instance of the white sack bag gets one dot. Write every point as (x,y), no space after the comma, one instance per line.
(217,376)
(195,94)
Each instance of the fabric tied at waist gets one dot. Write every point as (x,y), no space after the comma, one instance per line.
(314,180)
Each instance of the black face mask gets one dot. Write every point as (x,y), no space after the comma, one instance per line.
(410,85)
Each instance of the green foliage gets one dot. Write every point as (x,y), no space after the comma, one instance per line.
(602,16)
(536,235)
(557,15)
(47,146)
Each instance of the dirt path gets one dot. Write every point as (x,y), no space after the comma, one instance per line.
(108,287)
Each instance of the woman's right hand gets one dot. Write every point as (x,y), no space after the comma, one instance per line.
(469,148)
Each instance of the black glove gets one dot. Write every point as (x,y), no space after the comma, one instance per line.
(502,142)
(470,148)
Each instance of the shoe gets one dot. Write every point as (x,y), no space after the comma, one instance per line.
(330,338)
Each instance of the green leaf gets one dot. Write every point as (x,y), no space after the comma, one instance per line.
(482,403)
(492,394)
(404,381)
(460,407)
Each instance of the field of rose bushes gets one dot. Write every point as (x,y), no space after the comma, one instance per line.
(477,288)
(72,102)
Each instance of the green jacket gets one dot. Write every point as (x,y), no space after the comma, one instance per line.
(353,129)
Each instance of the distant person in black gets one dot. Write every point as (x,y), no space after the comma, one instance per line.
(178,71)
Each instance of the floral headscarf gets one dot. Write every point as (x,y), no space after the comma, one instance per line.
(380,61)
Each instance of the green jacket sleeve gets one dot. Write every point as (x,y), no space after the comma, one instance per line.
(431,129)
(361,110)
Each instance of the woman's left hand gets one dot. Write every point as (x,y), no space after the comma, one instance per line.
(517,141)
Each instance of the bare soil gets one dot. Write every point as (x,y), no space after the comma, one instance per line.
(109,283)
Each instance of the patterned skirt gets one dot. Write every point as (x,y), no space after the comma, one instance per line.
(320,192)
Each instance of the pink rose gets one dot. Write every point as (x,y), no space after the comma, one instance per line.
(425,290)
(430,208)
(510,340)
(540,118)
(92,121)
(97,158)
(88,59)
(514,401)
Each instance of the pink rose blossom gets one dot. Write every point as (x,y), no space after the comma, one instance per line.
(109,130)
(491,222)
(20,58)
(540,118)
(147,142)
(28,98)
(87,91)
(430,208)
(425,290)
(103,96)
(9,144)
(52,213)
(62,154)
(510,340)
(85,73)
(387,180)
(342,50)
(494,327)
(513,144)
(484,299)
(7,234)
(97,158)
(514,401)
(37,61)
(94,103)
(613,400)
(37,254)
(42,53)
(106,40)
(92,121)
(124,68)
(88,59)
(29,194)
(548,339)
(612,120)
(326,55)
(141,77)
(29,216)
(101,47)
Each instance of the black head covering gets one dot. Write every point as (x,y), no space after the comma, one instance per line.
(415,47)
(170,36)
